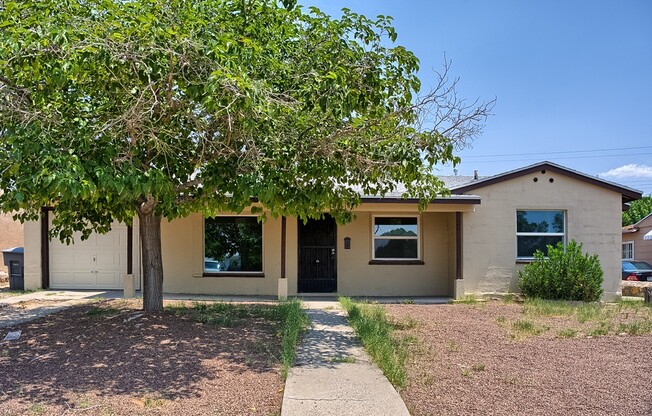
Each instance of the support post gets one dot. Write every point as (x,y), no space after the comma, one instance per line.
(459,281)
(282,281)
(129,286)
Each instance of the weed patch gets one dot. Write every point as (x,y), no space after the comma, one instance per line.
(478,367)
(544,307)
(454,346)
(376,333)
(293,322)
(603,328)
(567,333)
(636,328)
(290,318)
(590,312)
(523,328)
(467,300)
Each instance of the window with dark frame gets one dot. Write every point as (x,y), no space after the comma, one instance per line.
(536,229)
(396,238)
(233,245)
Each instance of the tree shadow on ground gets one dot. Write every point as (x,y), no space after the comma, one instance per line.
(106,354)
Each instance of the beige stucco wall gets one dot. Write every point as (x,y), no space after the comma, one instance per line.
(183,260)
(11,235)
(183,257)
(489,235)
(356,277)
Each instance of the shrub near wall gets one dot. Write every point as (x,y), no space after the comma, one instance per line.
(565,274)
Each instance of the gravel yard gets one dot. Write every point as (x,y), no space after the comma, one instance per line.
(105,359)
(501,359)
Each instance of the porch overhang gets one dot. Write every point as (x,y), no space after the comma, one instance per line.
(453,203)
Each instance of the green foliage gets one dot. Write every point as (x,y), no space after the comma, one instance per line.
(542,307)
(294,323)
(375,331)
(110,109)
(467,299)
(565,274)
(567,333)
(201,105)
(638,210)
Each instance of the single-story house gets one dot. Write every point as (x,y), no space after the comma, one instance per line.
(637,240)
(473,241)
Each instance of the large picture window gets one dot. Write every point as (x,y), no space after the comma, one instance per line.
(233,244)
(396,238)
(535,229)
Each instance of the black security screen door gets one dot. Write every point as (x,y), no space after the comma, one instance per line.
(317,266)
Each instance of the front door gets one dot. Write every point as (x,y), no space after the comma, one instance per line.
(317,266)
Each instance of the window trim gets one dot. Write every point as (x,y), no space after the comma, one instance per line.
(232,273)
(526,259)
(383,260)
(631,242)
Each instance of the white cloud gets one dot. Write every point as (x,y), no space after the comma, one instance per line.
(629,171)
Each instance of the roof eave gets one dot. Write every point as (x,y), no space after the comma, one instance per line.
(628,194)
(467,199)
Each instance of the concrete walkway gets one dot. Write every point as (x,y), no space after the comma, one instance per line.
(18,309)
(333,375)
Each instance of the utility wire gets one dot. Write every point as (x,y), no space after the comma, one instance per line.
(464,158)
(562,152)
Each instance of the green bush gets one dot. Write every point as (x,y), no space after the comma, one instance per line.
(565,274)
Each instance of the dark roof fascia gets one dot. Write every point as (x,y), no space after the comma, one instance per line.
(628,194)
(386,200)
(468,199)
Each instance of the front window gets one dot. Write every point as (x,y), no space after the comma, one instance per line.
(535,229)
(396,238)
(628,250)
(233,244)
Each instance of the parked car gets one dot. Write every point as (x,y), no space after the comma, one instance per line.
(212,265)
(637,271)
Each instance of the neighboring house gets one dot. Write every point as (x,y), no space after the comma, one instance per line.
(11,235)
(637,240)
(473,241)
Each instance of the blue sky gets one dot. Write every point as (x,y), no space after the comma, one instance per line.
(572,77)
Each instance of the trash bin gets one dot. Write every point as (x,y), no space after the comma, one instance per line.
(13,259)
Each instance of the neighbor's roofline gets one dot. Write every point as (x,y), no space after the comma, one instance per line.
(641,220)
(629,194)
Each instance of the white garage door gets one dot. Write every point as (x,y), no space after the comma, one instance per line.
(96,263)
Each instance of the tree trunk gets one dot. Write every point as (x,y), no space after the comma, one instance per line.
(150,240)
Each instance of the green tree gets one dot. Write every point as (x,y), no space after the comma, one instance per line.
(638,210)
(112,109)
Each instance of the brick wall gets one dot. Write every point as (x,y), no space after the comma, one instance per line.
(11,235)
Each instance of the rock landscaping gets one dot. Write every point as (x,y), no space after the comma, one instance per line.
(108,358)
(547,358)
